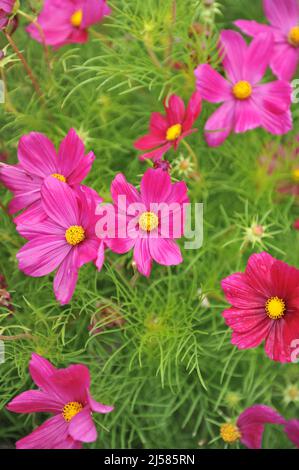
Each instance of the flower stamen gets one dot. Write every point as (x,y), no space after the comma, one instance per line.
(230,433)
(148,221)
(71,409)
(59,177)
(76,18)
(75,235)
(294,36)
(174,132)
(275,308)
(242,90)
(295,175)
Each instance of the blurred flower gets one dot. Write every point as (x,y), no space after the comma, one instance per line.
(265,306)
(5,297)
(203,299)
(232,399)
(291,394)
(65,240)
(250,425)
(163,164)
(248,103)
(38,160)
(68,23)
(283,17)
(183,166)
(107,317)
(292,431)
(149,232)
(7,9)
(65,393)
(168,131)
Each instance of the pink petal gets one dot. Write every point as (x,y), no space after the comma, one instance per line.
(175,110)
(253,337)
(72,383)
(94,11)
(158,125)
(35,401)
(120,187)
(82,428)
(88,251)
(45,227)
(247,116)
(66,278)
(258,274)
(37,155)
(41,370)
(275,97)
(252,422)
(165,251)
(285,280)
(292,431)
(120,245)
(245,320)
(155,186)
(241,294)
(149,141)
(252,28)
(156,154)
(275,346)
(42,255)
(99,407)
(49,435)
(72,162)
(284,61)
(142,256)
(60,202)
(258,56)
(220,124)
(211,85)
(26,188)
(282,13)
(233,49)
(193,111)
(33,215)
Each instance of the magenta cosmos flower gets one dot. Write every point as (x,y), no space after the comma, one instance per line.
(65,240)
(149,221)
(265,306)
(247,103)
(65,22)
(168,131)
(292,431)
(38,159)
(283,16)
(65,393)
(250,425)
(6,10)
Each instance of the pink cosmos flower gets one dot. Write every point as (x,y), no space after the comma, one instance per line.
(283,16)
(65,393)
(250,425)
(247,103)
(168,131)
(265,306)
(6,9)
(65,240)
(292,431)
(38,159)
(296,224)
(68,23)
(149,221)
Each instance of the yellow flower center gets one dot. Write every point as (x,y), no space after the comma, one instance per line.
(76,18)
(275,308)
(75,235)
(230,433)
(148,221)
(71,409)
(59,177)
(295,175)
(294,36)
(242,90)
(174,132)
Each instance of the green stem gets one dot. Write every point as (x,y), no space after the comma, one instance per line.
(191,153)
